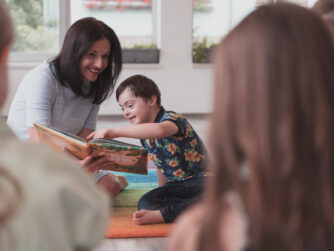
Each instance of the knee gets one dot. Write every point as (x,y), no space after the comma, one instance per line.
(142,203)
(145,203)
(110,184)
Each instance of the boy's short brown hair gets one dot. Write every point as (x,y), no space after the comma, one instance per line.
(141,86)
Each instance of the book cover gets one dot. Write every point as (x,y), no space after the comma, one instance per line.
(123,157)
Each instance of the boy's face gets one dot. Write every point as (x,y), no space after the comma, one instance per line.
(136,110)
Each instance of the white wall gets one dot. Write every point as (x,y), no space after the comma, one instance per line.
(185,87)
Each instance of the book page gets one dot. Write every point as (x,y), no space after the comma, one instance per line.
(60,140)
(111,141)
(122,158)
(68,134)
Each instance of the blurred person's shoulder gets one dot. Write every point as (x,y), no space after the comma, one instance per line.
(232,226)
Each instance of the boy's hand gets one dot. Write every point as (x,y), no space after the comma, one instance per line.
(98,134)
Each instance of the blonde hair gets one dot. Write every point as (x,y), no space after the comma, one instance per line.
(7,34)
(274,117)
(325,8)
(9,198)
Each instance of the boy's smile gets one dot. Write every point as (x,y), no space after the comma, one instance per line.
(136,110)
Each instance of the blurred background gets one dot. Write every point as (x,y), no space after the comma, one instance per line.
(169,41)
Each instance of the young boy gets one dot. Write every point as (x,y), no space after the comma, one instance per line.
(172,143)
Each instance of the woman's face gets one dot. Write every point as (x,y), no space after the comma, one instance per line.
(95,60)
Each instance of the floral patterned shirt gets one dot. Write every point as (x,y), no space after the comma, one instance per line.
(180,156)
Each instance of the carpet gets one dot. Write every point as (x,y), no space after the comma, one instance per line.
(120,223)
(142,181)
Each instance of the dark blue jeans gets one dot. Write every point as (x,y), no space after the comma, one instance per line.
(174,197)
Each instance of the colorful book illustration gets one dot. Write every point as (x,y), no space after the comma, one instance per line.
(123,157)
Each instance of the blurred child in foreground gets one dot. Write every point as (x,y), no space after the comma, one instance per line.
(47,201)
(271,139)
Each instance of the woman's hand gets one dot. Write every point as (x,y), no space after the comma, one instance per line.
(92,162)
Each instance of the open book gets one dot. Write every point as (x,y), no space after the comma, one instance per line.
(123,157)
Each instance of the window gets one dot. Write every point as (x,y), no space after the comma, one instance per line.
(212,19)
(41,24)
(131,19)
(36,24)
(305,3)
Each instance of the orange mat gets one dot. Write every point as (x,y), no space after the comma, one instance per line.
(121,224)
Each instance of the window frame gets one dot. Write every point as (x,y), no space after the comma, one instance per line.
(65,23)
(206,53)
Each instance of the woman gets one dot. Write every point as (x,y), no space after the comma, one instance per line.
(67,91)
(47,202)
(271,139)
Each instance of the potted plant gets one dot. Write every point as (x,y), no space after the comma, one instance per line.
(202,50)
(141,54)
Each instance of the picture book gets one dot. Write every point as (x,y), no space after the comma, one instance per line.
(123,157)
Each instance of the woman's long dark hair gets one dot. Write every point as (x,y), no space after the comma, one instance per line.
(79,38)
(274,115)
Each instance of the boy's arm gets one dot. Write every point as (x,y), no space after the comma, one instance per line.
(139,131)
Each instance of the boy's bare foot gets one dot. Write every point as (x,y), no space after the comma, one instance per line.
(123,182)
(144,216)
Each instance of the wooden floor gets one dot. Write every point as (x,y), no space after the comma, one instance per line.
(136,244)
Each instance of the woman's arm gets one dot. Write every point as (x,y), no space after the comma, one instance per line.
(139,131)
(39,90)
(90,123)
